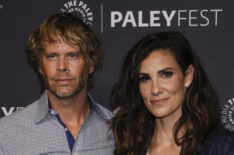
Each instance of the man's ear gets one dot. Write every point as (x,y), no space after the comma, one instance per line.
(91,68)
(189,74)
(40,69)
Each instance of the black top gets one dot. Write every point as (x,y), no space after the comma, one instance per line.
(219,142)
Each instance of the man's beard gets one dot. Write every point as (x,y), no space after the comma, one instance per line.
(62,95)
(55,90)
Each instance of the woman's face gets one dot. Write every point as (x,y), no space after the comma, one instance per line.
(162,83)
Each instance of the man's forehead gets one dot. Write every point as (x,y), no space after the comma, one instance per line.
(61,45)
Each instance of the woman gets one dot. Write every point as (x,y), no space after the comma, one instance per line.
(166,104)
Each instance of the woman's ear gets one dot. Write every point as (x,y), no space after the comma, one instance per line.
(189,76)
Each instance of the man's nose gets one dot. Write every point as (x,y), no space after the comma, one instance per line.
(62,64)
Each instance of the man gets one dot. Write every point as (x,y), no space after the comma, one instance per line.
(65,120)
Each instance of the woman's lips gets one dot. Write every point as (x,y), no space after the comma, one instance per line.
(159,101)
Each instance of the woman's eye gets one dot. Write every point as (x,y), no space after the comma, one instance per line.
(167,74)
(144,78)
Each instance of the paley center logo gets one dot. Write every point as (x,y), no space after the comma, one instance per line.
(6,111)
(166,18)
(81,9)
(227,115)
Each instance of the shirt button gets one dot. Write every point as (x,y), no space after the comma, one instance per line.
(66,129)
(53,112)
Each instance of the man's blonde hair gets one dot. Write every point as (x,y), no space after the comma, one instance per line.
(72,31)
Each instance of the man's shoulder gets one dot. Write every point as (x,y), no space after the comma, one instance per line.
(23,116)
(103,112)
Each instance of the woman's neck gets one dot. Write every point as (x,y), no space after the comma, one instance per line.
(163,140)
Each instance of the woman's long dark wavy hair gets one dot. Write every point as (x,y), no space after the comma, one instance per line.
(133,125)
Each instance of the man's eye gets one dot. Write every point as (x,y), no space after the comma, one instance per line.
(72,55)
(51,56)
(144,78)
(166,74)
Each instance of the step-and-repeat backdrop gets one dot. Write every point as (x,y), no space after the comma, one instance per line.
(208,25)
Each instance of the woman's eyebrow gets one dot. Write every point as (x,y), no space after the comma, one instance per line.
(165,69)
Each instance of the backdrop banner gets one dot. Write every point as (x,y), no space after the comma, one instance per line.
(208,25)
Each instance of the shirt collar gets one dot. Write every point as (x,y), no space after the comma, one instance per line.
(91,103)
(43,106)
